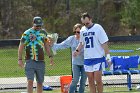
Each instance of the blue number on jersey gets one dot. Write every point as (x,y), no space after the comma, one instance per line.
(89,42)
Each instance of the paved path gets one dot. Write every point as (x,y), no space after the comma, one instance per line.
(21,82)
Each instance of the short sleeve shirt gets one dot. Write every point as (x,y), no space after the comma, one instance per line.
(92,39)
(34,41)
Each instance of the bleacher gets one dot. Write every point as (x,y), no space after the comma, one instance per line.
(124,65)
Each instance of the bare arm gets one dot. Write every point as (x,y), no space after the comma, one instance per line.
(105,47)
(79,47)
(20,51)
(107,54)
(48,51)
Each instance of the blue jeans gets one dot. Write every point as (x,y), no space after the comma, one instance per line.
(78,73)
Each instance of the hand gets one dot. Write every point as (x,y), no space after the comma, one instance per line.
(49,41)
(109,63)
(51,61)
(20,63)
(75,53)
(108,58)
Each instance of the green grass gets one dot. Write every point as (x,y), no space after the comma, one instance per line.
(9,63)
(125,46)
(9,66)
(62,64)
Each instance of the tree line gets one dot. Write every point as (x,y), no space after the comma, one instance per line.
(118,17)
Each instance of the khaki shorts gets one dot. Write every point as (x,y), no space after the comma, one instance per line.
(36,68)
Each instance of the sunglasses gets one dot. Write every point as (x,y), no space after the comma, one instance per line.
(37,26)
(85,24)
(78,32)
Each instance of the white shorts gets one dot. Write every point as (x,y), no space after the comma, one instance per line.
(95,67)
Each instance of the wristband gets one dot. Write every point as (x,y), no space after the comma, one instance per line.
(19,59)
(108,58)
(77,50)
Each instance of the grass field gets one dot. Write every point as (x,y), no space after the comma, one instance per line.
(9,67)
(125,46)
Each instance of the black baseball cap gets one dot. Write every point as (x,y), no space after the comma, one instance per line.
(37,21)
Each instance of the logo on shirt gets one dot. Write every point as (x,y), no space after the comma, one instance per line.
(88,33)
(32,37)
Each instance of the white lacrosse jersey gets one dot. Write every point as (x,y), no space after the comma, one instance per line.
(93,38)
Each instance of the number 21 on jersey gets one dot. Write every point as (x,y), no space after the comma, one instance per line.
(89,42)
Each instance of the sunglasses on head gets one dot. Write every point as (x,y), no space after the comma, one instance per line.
(78,32)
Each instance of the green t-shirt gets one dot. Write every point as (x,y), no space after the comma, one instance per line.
(34,44)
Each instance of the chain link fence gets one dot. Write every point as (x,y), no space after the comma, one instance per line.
(11,76)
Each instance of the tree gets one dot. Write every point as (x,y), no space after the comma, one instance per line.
(130,14)
(6,13)
(60,15)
